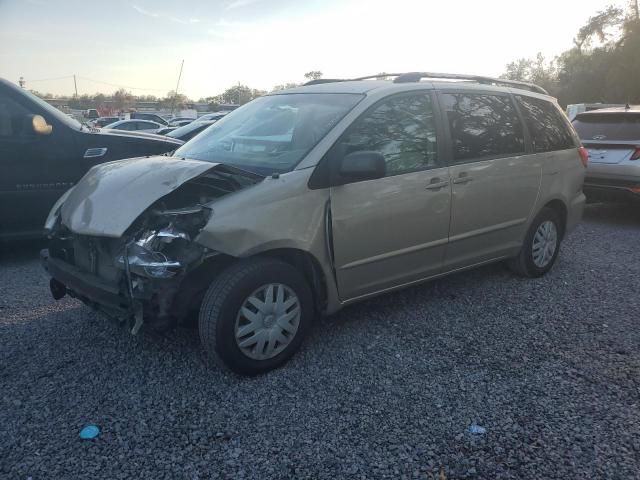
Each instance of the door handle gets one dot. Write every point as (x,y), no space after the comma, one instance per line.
(462,178)
(436,184)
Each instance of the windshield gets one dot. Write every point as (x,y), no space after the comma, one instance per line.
(270,134)
(608,126)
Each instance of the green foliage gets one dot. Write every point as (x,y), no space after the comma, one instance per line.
(313,75)
(603,66)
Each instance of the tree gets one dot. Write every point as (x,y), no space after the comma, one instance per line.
(602,66)
(599,26)
(122,99)
(285,86)
(535,70)
(313,75)
(239,95)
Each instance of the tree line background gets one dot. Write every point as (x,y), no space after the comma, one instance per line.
(602,66)
(123,99)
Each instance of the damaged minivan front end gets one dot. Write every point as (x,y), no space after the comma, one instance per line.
(135,257)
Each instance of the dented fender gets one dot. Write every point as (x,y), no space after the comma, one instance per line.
(280,212)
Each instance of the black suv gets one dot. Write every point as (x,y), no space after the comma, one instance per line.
(43,152)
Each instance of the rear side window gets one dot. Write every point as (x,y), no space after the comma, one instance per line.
(608,126)
(547,126)
(402,128)
(482,126)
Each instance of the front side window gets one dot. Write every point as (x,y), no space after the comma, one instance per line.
(548,130)
(14,119)
(482,126)
(402,129)
(271,134)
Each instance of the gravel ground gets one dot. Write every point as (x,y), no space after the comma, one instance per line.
(385,389)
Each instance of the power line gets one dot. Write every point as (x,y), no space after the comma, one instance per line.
(121,86)
(48,79)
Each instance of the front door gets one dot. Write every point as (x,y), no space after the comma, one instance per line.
(34,169)
(393,230)
(494,182)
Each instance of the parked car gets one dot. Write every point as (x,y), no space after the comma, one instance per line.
(135,125)
(165,130)
(612,137)
(43,152)
(152,117)
(306,200)
(190,130)
(91,113)
(576,108)
(180,121)
(212,116)
(103,121)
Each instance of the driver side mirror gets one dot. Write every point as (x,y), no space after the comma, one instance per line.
(362,165)
(40,125)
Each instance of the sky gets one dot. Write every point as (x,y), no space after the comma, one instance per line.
(139,44)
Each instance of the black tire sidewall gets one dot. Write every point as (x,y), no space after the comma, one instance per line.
(545,215)
(225,342)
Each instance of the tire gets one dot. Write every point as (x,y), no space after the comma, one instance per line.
(221,316)
(525,264)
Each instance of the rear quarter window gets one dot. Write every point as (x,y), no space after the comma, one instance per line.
(547,126)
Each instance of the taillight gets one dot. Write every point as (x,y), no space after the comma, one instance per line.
(584,156)
(636,154)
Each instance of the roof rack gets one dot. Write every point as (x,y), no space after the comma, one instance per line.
(411,77)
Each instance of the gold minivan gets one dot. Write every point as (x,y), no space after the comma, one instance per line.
(309,199)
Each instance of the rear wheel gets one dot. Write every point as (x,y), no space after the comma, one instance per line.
(255,315)
(541,245)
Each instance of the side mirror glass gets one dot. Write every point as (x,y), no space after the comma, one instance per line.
(40,125)
(363,165)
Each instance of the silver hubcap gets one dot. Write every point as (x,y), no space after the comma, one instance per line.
(545,242)
(267,321)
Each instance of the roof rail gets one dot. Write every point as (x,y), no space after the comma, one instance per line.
(417,76)
(318,81)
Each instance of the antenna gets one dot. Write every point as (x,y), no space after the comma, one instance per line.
(175,93)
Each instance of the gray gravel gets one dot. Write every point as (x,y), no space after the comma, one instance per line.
(385,389)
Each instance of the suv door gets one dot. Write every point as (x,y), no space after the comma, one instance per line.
(495,184)
(34,169)
(393,230)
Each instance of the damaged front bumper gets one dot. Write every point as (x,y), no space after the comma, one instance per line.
(136,278)
(128,300)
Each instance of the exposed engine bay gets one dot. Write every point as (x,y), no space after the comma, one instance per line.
(137,277)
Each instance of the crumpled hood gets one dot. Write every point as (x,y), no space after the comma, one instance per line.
(107,200)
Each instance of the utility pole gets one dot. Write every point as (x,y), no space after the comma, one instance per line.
(636,9)
(75,85)
(175,93)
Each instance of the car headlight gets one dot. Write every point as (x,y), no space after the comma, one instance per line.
(148,263)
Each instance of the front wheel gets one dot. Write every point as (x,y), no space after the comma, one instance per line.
(541,245)
(255,315)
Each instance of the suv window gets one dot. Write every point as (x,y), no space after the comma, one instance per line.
(14,120)
(548,129)
(482,126)
(402,129)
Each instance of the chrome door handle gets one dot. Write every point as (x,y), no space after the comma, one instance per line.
(436,185)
